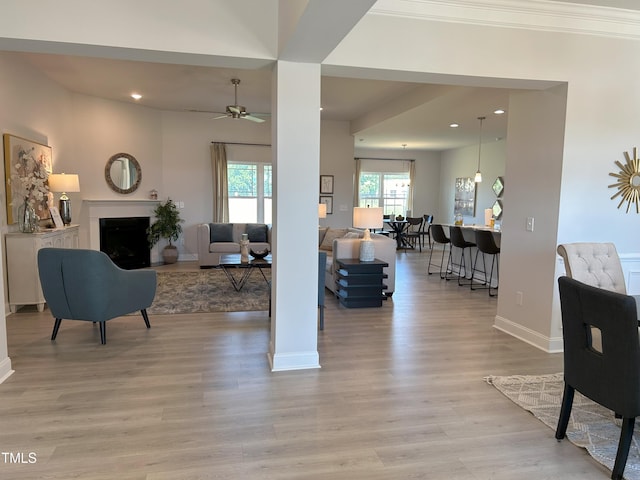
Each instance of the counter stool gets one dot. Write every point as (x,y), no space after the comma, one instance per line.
(458,241)
(487,246)
(438,236)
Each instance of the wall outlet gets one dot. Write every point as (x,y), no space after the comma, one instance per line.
(519,298)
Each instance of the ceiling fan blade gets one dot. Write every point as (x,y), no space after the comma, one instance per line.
(220,116)
(253,119)
(234,109)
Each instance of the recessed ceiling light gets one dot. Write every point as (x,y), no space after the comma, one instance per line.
(454,125)
(498,111)
(136,96)
(321,108)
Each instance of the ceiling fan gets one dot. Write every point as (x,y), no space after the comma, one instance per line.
(238,111)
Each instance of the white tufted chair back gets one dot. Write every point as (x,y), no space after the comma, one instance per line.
(596,264)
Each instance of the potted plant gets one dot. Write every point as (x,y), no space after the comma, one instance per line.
(167,225)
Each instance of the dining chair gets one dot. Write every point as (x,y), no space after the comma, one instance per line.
(426,228)
(411,234)
(608,374)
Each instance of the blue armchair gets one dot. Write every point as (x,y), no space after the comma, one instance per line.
(86,285)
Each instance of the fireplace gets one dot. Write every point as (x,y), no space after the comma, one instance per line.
(125,241)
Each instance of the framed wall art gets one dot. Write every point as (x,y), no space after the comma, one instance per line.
(465,197)
(27,165)
(328,201)
(326,184)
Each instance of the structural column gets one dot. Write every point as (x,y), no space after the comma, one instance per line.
(296,167)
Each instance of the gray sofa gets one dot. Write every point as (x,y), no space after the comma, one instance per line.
(215,239)
(345,243)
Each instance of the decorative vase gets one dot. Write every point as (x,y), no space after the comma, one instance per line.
(244,250)
(27,218)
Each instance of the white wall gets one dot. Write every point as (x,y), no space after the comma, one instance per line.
(33,108)
(463,162)
(336,158)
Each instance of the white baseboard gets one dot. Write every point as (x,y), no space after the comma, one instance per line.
(5,369)
(543,342)
(281,362)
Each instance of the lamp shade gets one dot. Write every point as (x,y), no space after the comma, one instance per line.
(63,182)
(322,210)
(367,217)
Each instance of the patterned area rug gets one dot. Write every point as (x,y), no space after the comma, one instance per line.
(209,291)
(591,426)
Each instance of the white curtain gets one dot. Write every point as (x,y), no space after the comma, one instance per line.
(220,182)
(412,177)
(356,184)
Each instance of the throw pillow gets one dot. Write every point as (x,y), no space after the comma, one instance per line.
(257,232)
(330,236)
(221,232)
(353,235)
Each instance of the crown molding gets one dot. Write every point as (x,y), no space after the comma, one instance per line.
(543,15)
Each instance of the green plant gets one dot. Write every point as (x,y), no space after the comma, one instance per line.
(167,224)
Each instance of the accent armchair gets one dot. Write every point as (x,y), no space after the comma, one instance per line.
(86,285)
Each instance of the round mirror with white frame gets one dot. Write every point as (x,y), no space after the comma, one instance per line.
(123,173)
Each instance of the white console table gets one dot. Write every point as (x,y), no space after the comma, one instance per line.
(22,262)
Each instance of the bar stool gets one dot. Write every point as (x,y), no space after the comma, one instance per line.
(438,236)
(458,241)
(487,246)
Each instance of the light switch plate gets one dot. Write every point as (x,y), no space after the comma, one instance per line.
(530,222)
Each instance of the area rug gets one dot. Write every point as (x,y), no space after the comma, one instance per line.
(208,291)
(591,426)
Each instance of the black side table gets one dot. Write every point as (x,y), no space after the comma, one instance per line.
(360,284)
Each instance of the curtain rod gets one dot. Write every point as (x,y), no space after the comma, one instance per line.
(250,144)
(387,159)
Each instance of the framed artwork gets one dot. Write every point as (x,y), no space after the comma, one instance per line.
(328,201)
(498,187)
(27,165)
(465,197)
(326,184)
(497,209)
(55,217)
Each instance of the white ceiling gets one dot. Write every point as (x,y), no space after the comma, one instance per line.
(383,113)
(414,121)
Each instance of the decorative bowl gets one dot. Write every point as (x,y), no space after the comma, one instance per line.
(260,254)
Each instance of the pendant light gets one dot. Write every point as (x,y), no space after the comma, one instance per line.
(478,177)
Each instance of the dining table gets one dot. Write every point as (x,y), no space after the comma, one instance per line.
(398,228)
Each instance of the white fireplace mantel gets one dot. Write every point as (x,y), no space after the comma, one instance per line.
(93,210)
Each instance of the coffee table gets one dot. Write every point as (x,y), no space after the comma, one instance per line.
(231,262)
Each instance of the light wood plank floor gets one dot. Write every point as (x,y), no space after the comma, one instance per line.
(400,395)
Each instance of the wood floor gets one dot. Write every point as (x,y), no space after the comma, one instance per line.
(400,395)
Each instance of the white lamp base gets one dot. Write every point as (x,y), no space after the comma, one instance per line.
(367,251)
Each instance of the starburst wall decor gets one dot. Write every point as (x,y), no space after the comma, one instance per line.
(628,183)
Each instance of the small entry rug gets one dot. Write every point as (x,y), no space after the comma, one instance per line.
(591,426)
(208,291)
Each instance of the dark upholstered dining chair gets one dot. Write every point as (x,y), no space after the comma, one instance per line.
(81,284)
(608,374)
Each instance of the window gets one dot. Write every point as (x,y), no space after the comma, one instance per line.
(387,190)
(249,192)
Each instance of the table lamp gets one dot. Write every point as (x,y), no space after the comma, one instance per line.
(322,210)
(367,218)
(64,183)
